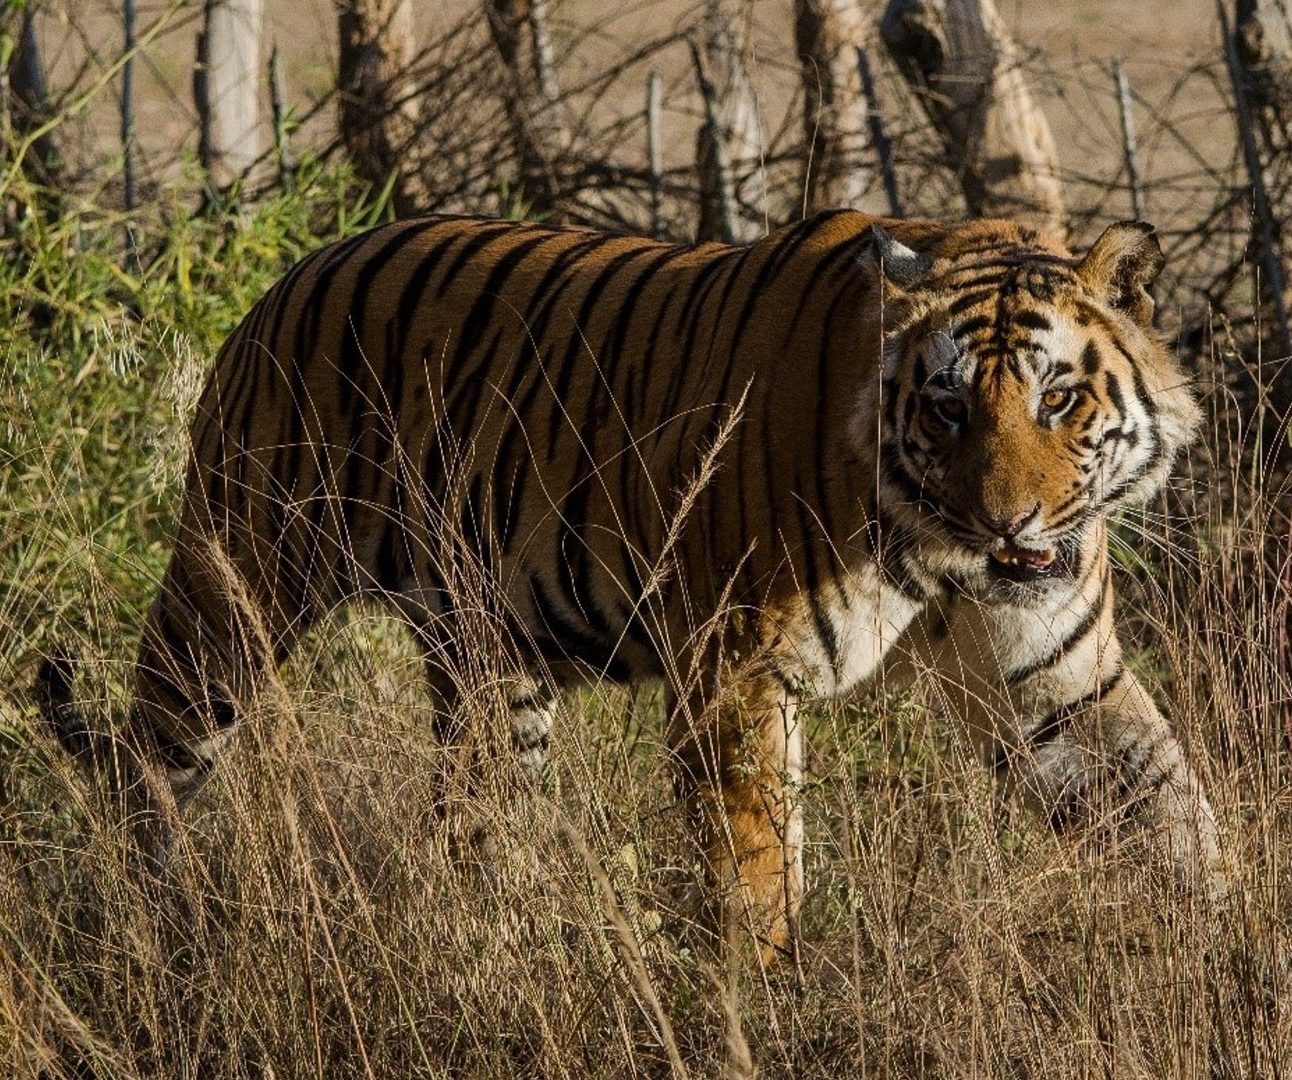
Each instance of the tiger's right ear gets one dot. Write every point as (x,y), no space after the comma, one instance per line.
(1121,265)
(900,265)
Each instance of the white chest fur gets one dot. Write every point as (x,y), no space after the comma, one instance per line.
(836,639)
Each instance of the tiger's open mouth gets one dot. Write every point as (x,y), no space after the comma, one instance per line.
(1024,564)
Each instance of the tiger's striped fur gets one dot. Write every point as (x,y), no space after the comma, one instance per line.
(899,417)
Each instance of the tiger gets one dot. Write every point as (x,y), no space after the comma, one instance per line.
(764,476)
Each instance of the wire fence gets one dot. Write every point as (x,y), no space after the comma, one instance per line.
(1180,161)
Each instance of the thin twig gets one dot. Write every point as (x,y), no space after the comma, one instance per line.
(878,136)
(128,104)
(1130,148)
(282,149)
(654,151)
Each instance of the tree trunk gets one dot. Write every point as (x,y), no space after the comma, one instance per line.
(378,117)
(226,86)
(27,100)
(1261,51)
(1262,36)
(736,148)
(1264,33)
(533,100)
(957,56)
(836,169)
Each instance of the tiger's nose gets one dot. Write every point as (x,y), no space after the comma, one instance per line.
(1008,527)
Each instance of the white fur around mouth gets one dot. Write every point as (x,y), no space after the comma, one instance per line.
(1009,555)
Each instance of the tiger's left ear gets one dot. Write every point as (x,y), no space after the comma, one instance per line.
(1120,266)
(900,265)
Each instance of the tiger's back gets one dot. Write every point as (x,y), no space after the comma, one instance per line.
(538,398)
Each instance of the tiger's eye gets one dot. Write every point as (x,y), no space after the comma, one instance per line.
(1057,400)
(950,410)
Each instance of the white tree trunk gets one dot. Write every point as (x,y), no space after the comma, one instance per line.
(836,140)
(227,88)
(726,41)
(520,33)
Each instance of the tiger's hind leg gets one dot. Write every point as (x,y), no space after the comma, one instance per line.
(530,708)
(485,771)
(210,639)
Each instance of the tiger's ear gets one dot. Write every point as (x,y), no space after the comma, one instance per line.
(900,265)
(1121,265)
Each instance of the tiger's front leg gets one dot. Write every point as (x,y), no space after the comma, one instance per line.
(740,756)
(1045,693)
(1121,751)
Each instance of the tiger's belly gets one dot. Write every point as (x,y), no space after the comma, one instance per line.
(835,639)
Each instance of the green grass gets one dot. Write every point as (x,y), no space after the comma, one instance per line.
(100,373)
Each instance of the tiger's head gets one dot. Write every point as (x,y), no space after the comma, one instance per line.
(1026,394)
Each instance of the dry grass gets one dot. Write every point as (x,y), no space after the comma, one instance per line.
(324,915)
